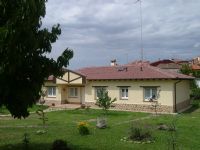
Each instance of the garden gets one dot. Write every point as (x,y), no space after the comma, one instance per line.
(77,130)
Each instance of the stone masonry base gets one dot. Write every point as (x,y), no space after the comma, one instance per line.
(56,102)
(138,107)
(52,102)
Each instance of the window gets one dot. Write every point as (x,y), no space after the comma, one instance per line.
(150,93)
(98,91)
(124,93)
(51,91)
(73,92)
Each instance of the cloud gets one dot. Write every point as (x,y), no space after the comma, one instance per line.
(99,31)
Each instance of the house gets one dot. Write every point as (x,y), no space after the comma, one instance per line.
(196,60)
(195,66)
(170,64)
(67,89)
(136,87)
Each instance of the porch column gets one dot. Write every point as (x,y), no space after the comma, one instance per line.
(82,95)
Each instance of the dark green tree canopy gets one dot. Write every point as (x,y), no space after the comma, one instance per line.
(23,48)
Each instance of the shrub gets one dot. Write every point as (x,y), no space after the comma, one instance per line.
(42,117)
(104,100)
(83,128)
(60,145)
(195,93)
(140,132)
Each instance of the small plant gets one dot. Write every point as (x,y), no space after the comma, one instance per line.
(26,140)
(60,145)
(172,140)
(83,128)
(104,101)
(41,113)
(155,105)
(140,132)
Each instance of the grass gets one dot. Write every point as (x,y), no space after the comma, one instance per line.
(63,125)
(4,111)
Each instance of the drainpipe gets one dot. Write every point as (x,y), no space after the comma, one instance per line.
(175,110)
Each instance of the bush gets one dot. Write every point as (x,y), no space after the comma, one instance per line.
(195,93)
(140,132)
(104,100)
(83,128)
(60,145)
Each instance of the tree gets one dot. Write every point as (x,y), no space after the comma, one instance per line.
(104,100)
(186,69)
(23,48)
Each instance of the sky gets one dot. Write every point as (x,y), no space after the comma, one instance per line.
(101,30)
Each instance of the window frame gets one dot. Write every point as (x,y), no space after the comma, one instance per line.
(126,93)
(53,91)
(74,91)
(149,99)
(99,87)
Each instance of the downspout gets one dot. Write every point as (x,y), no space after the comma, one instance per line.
(175,109)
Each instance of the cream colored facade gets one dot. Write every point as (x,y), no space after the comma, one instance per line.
(70,80)
(135,90)
(170,92)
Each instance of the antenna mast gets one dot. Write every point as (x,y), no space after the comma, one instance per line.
(141,32)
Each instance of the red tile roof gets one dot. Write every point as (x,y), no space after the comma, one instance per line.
(164,61)
(195,67)
(174,63)
(129,72)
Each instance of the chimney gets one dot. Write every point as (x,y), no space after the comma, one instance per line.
(113,62)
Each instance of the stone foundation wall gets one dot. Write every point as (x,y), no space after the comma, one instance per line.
(51,102)
(138,107)
(56,102)
(183,105)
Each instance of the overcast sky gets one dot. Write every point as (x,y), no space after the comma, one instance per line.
(101,30)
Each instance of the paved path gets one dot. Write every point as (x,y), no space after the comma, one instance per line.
(53,108)
(137,119)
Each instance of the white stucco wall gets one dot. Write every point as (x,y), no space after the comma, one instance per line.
(182,91)
(51,84)
(136,91)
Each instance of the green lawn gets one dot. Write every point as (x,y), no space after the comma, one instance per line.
(63,125)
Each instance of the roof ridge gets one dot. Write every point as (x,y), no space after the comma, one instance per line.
(92,67)
(165,72)
(170,73)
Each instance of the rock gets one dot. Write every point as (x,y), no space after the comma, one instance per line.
(101,123)
(163,127)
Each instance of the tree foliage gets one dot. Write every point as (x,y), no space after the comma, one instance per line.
(186,69)
(104,101)
(23,48)
(195,90)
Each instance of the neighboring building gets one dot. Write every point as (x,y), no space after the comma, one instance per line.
(196,68)
(134,86)
(196,60)
(170,64)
